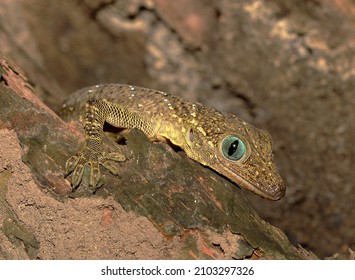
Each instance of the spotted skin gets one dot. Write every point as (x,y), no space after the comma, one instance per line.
(199,131)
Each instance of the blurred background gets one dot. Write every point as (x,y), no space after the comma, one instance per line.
(285,66)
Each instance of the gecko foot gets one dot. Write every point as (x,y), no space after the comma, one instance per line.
(87,157)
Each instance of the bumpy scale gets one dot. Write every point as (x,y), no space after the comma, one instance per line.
(221,141)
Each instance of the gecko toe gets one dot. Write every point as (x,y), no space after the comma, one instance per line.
(115,156)
(110,167)
(77,175)
(95,174)
(70,164)
(87,159)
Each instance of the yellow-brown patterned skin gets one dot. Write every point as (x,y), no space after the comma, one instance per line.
(202,132)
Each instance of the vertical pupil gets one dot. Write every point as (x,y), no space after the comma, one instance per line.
(233,147)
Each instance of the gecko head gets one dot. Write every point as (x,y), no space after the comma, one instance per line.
(243,155)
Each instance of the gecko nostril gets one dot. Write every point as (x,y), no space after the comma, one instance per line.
(279,191)
(127,107)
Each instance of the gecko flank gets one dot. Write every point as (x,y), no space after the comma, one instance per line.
(225,143)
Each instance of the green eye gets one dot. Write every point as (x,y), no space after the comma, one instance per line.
(233,148)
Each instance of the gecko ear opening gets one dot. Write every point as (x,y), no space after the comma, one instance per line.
(234,149)
(191,135)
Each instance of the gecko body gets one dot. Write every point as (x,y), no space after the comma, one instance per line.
(225,143)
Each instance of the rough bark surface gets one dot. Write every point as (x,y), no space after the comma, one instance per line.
(285,66)
(162,206)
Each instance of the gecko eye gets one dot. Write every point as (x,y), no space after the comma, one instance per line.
(233,148)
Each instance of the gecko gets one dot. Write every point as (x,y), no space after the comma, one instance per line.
(222,141)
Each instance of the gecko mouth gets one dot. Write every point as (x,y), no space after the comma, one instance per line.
(272,192)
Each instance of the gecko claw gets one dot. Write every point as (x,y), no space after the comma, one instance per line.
(77,175)
(76,165)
